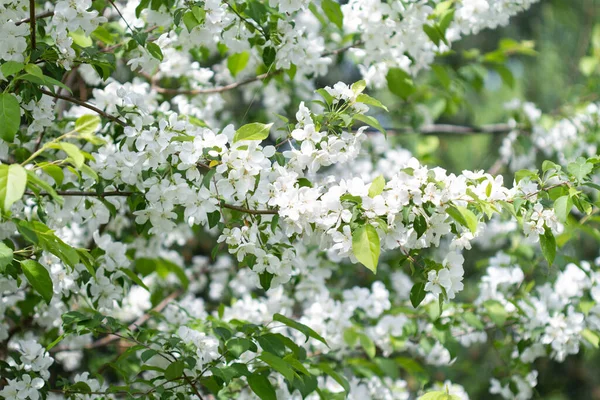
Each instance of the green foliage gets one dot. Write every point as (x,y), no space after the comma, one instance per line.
(39,278)
(253,131)
(366,246)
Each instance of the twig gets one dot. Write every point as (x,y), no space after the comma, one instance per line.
(132,327)
(448,129)
(84,104)
(39,16)
(194,388)
(342,49)
(128,193)
(32,23)
(235,85)
(217,89)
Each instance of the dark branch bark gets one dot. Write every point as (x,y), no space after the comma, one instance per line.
(84,104)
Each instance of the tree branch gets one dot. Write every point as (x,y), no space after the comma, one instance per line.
(32,23)
(235,85)
(84,104)
(217,89)
(39,16)
(128,193)
(132,327)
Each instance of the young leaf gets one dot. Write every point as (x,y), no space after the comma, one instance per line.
(237,62)
(253,131)
(11,67)
(308,332)
(562,207)
(548,245)
(6,256)
(10,117)
(278,364)
(39,278)
(13,180)
(366,246)
(155,50)
(580,168)
(377,186)
(87,124)
(332,9)
(366,99)
(367,119)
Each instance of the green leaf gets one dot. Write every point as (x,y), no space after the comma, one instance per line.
(562,208)
(434,34)
(592,337)
(339,378)
(80,387)
(332,9)
(377,186)
(253,131)
(441,73)
(367,344)
(262,387)
(33,181)
(438,395)
(548,245)
(525,173)
(73,152)
(6,256)
(400,83)
(155,51)
(174,370)
(366,246)
(278,364)
(190,21)
(473,320)
(417,294)
(463,216)
(367,119)
(496,312)
(87,124)
(136,279)
(104,35)
(308,332)
(10,117)
(238,346)
(34,70)
(237,62)
(359,86)
(13,180)
(580,168)
(39,278)
(505,74)
(11,67)
(366,99)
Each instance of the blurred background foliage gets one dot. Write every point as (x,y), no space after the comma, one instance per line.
(552,52)
(550,56)
(563,73)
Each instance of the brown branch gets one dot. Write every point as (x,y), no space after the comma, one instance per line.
(342,49)
(132,327)
(84,104)
(448,129)
(248,211)
(217,89)
(36,17)
(235,85)
(128,193)
(32,23)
